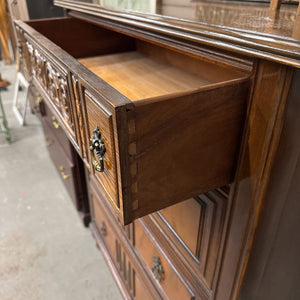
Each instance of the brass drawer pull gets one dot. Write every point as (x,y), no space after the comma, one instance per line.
(62,173)
(157,269)
(98,145)
(55,123)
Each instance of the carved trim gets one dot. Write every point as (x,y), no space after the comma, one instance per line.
(53,82)
(78,108)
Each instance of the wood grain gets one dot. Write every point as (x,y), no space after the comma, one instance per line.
(184,219)
(232,35)
(81,39)
(199,269)
(172,285)
(98,116)
(139,77)
(274,259)
(187,145)
(134,284)
(260,140)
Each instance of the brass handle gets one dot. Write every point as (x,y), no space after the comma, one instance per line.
(55,123)
(157,269)
(62,173)
(103,228)
(98,145)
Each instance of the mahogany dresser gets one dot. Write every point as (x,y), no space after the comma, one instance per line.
(188,125)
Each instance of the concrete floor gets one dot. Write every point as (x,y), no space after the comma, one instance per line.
(45,252)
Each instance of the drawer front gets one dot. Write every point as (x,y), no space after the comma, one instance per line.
(100,121)
(191,232)
(132,280)
(103,224)
(63,164)
(56,128)
(51,79)
(159,265)
(184,220)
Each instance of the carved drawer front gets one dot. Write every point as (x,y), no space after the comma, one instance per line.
(133,282)
(156,125)
(51,79)
(159,265)
(100,132)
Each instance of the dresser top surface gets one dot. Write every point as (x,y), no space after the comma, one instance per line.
(249,28)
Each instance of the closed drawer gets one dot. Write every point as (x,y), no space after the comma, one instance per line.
(164,126)
(184,220)
(102,222)
(159,265)
(63,164)
(191,232)
(70,168)
(128,272)
(51,120)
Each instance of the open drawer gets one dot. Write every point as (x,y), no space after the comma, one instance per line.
(155,124)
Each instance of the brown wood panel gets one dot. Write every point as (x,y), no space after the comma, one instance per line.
(260,141)
(82,39)
(60,135)
(140,293)
(99,116)
(139,77)
(274,259)
(102,222)
(171,283)
(201,268)
(184,219)
(125,267)
(231,32)
(79,110)
(64,165)
(196,64)
(186,145)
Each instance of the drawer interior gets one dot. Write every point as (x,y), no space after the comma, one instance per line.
(151,71)
(137,69)
(138,76)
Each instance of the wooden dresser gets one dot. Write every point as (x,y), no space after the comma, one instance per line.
(189,134)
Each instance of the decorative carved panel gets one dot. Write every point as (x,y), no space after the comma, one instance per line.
(54,83)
